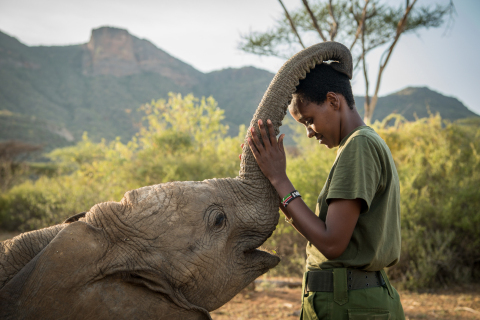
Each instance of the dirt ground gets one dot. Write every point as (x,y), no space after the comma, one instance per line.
(267,301)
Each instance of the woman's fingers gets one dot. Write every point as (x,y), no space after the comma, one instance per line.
(263,133)
(256,141)
(255,152)
(280,142)
(271,131)
(240,155)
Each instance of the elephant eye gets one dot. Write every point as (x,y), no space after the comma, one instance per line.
(219,220)
(215,217)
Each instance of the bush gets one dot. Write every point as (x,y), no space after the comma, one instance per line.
(439,169)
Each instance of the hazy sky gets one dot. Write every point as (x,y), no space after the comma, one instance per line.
(205,34)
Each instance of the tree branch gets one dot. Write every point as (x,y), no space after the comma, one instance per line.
(357,62)
(314,20)
(333,31)
(400,28)
(292,24)
(360,24)
(367,112)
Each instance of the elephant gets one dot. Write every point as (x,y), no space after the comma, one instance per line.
(176,250)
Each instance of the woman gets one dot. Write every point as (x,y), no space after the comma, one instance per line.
(355,232)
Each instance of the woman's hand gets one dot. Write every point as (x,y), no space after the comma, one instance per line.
(271,157)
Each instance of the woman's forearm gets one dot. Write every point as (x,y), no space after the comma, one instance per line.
(332,241)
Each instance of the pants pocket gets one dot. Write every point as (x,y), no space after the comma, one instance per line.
(317,306)
(308,309)
(368,314)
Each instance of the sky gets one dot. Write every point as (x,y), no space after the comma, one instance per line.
(206,33)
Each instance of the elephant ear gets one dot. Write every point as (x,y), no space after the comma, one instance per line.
(64,263)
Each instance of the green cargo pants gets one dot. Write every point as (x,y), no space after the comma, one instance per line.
(378,303)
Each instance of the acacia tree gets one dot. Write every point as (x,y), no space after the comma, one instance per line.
(12,161)
(361,25)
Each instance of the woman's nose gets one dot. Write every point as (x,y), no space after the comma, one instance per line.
(310,132)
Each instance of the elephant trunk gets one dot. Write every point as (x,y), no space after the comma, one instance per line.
(274,106)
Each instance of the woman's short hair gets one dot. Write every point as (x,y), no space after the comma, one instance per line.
(321,80)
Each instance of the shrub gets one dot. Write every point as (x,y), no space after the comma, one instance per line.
(439,169)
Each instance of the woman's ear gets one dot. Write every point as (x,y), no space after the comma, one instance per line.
(333,100)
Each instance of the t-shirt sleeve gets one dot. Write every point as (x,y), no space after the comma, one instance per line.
(357,173)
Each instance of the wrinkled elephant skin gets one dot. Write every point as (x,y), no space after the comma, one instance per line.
(184,241)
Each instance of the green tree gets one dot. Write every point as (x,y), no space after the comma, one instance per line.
(12,162)
(362,26)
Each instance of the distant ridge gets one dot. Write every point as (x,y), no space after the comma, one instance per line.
(51,95)
(417,102)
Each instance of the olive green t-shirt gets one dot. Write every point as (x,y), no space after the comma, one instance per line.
(363,169)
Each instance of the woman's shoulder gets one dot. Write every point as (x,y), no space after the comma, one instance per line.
(367,135)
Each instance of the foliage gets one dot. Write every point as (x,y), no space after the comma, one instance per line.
(12,164)
(182,138)
(438,164)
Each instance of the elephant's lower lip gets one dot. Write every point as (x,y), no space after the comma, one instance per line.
(264,259)
(259,257)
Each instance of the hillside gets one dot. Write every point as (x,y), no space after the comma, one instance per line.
(51,95)
(418,102)
(98,86)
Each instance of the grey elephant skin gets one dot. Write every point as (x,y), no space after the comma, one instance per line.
(170,251)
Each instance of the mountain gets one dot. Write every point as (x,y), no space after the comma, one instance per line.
(97,87)
(51,95)
(417,102)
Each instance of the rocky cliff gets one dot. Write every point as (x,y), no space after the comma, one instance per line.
(113,51)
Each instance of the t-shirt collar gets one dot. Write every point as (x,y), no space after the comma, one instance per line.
(344,140)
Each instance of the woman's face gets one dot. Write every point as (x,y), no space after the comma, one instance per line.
(322,121)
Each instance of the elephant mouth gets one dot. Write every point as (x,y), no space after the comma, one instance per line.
(260,258)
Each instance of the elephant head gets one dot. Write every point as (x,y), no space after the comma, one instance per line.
(167,251)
